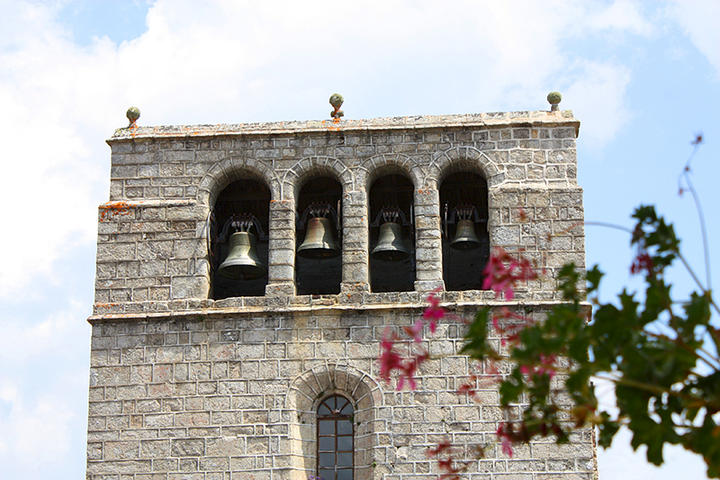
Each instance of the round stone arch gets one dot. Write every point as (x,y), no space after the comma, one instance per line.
(465,158)
(231,169)
(387,164)
(304,395)
(309,167)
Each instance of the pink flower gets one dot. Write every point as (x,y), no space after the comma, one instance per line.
(546,366)
(496,324)
(507,447)
(442,446)
(503,271)
(408,369)
(434,312)
(641,262)
(522,214)
(389,359)
(416,330)
(469,387)
(504,434)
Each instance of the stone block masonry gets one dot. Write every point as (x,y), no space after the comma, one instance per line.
(187,387)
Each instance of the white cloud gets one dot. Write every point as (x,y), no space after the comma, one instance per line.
(61,333)
(698,18)
(596,93)
(622,462)
(43,391)
(49,419)
(35,433)
(247,61)
(622,15)
(52,164)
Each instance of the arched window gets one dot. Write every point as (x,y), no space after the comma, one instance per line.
(239,248)
(335,439)
(465,243)
(318,264)
(392,246)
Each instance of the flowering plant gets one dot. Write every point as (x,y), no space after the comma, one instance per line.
(661,354)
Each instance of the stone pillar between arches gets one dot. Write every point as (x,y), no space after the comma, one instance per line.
(428,237)
(281,256)
(355,270)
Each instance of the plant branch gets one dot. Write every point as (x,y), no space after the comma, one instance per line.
(655,389)
(703,229)
(694,351)
(609,225)
(686,175)
(697,280)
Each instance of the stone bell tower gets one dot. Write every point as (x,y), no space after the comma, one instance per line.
(246,274)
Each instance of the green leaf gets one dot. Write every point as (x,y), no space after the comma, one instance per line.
(593,276)
(512,387)
(476,342)
(607,430)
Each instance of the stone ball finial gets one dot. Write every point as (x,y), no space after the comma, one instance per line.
(336,100)
(133,113)
(554,99)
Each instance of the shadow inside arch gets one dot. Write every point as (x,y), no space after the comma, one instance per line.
(465,158)
(309,167)
(385,164)
(230,170)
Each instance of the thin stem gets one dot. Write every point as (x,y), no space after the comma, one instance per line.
(682,259)
(703,230)
(695,352)
(654,389)
(682,344)
(711,356)
(697,280)
(609,225)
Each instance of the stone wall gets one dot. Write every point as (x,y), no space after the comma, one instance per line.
(201,397)
(183,386)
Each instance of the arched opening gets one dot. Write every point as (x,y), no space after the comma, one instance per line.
(335,439)
(465,240)
(239,240)
(318,263)
(304,398)
(391,234)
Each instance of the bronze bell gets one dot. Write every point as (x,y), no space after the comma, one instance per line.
(390,245)
(465,237)
(242,263)
(319,239)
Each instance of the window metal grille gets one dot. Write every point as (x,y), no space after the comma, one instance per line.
(335,439)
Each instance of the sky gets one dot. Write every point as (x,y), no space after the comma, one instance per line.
(642,77)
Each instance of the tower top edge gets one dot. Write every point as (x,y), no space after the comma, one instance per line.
(561,118)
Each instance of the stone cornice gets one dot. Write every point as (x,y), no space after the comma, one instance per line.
(334,308)
(424,122)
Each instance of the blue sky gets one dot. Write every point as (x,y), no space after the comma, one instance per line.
(643,78)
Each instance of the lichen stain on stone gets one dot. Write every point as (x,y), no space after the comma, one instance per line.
(105,305)
(332,128)
(111,209)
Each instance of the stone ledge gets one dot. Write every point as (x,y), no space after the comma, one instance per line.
(497,119)
(244,310)
(151,203)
